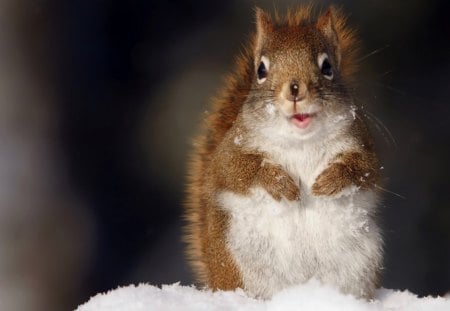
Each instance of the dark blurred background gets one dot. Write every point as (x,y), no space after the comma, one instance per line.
(99,101)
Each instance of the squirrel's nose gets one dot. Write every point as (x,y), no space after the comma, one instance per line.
(298,91)
(294,88)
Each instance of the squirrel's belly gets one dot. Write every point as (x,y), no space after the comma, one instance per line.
(279,244)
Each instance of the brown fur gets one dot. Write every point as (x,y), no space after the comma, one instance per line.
(237,170)
(357,168)
(211,170)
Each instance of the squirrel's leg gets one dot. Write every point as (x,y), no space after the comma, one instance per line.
(277,182)
(351,168)
(239,171)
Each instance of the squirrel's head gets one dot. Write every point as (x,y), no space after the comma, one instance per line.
(301,69)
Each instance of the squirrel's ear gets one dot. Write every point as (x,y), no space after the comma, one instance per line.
(326,25)
(263,28)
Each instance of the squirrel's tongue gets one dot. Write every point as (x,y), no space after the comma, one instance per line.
(301,120)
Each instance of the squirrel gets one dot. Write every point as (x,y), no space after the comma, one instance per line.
(282,182)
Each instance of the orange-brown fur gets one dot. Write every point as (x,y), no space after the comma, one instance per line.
(210,170)
(350,168)
(236,170)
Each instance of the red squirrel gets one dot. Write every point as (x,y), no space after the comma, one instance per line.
(282,180)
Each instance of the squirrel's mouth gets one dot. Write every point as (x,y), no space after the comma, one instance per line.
(302,120)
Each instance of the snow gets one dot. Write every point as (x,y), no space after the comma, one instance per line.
(309,296)
(353,111)
(270,108)
(339,118)
(238,140)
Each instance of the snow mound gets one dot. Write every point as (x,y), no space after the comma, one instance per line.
(309,296)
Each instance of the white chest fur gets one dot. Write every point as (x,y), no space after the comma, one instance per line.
(278,244)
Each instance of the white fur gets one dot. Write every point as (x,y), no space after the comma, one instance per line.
(278,244)
(321,58)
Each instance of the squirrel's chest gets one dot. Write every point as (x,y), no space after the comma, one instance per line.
(277,244)
(307,162)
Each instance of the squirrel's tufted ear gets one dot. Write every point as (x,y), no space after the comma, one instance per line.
(326,25)
(264,27)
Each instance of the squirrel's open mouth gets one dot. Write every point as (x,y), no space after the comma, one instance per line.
(302,120)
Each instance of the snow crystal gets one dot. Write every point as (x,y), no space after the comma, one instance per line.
(338,118)
(278,178)
(364,225)
(270,109)
(238,140)
(309,296)
(353,111)
(348,191)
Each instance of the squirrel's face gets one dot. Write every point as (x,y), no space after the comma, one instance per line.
(297,75)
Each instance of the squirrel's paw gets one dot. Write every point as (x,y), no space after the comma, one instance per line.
(332,180)
(278,183)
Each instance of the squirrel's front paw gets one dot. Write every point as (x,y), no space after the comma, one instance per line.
(278,183)
(332,180)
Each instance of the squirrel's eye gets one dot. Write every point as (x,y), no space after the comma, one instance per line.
(326,69)
(262,70)
(325,66)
